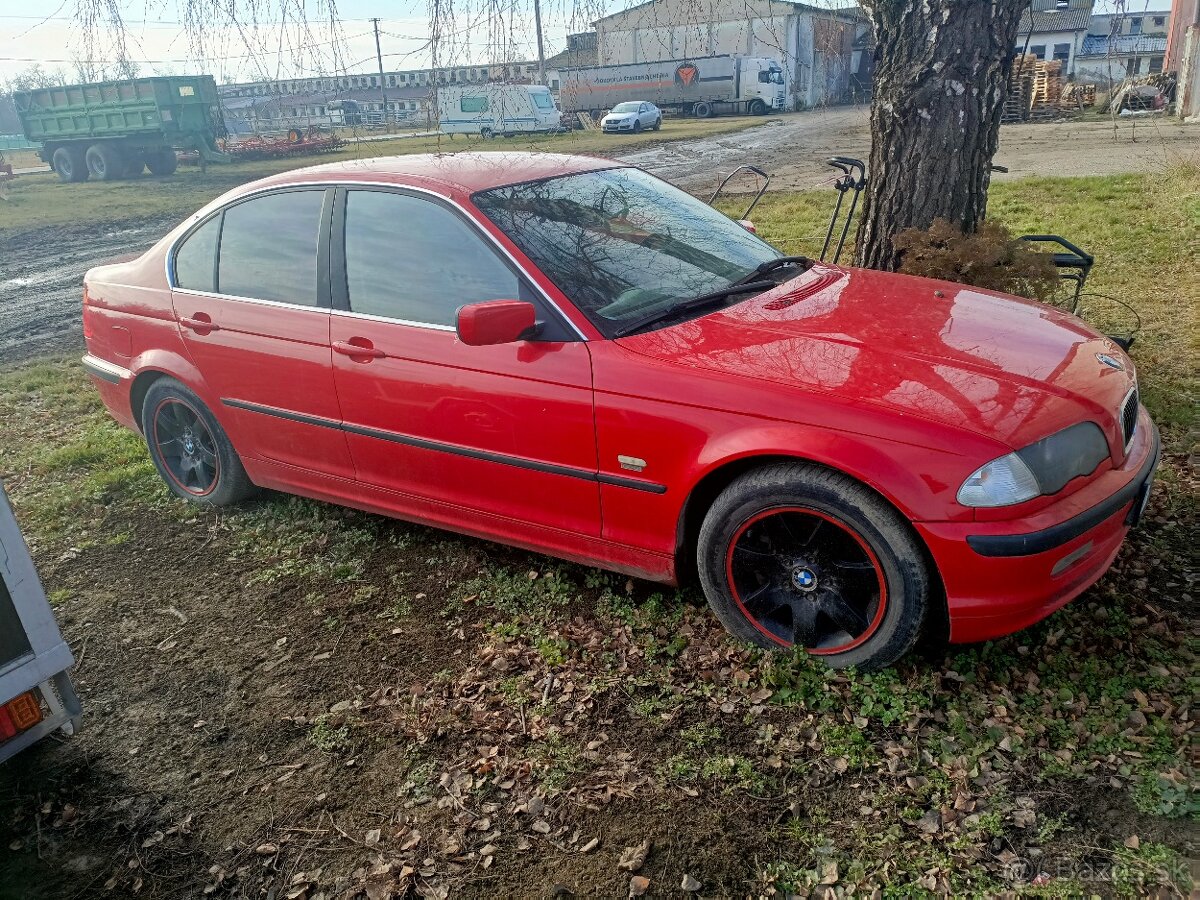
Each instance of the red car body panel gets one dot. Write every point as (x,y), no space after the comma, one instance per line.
(590,449)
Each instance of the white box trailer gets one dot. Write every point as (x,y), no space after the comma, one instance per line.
(703,87)
(36,696)
(492,109)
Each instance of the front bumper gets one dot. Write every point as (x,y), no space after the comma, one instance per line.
(611,128)
(1003,576)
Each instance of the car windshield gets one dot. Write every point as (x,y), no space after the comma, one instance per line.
(621,244)
(626,107)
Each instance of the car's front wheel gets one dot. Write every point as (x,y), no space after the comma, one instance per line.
(797,555)
(190,448)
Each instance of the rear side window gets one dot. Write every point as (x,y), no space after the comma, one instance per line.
(473,104)
(269,248)
(196,258)
(414,260)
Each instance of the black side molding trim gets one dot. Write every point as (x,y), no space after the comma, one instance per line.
(454,449)
(1057,535)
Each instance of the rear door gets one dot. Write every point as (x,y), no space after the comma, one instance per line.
(251,294)
(504,430)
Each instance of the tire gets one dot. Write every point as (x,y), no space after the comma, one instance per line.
(757,108)
(106,162)
(162,161)
(135,164)
(189,447)
(637,127)
(69,163)
(486,133)
(799,555)
(702,110)
(658,124)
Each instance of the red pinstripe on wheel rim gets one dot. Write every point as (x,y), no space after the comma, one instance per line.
(804,577)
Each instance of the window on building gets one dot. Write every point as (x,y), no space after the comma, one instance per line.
(1156,64)
(1135,26)
(1159,21)
(1038,50)
(1131,66)
(1062,52)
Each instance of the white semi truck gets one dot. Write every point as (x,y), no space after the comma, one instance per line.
(703,87)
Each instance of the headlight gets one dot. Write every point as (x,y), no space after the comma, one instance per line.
(1002,482)
(1041,468)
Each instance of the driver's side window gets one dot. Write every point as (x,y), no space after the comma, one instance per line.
(416,261)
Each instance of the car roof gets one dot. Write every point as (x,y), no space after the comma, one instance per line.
(464,171)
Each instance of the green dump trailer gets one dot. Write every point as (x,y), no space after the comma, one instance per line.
(114,129)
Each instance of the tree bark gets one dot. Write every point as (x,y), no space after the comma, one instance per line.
(941,73)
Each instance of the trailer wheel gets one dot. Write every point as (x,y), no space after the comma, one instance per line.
(757,108)
(702,110)
(486,133)
(70,164)
(161,161)
(106,162)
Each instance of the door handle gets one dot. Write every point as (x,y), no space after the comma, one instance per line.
(201,323)
(363,351)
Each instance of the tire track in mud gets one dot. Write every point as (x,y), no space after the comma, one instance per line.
(41,281)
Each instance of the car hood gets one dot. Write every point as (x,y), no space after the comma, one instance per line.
(1009,369)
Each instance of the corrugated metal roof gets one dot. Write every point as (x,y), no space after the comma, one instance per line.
(1123,45)
(1057,20)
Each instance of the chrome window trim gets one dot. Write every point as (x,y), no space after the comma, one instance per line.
(280,303)
(325,185)
(370,317)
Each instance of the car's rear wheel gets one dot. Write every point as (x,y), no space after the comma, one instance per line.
(190,448)
(658,123)
(796,555)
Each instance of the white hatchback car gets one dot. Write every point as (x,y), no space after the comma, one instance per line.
(632,116)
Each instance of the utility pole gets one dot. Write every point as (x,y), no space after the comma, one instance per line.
(379,59)
(537,19)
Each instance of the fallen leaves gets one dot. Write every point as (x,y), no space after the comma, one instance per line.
(633,858)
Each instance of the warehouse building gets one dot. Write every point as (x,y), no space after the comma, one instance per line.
(815,46)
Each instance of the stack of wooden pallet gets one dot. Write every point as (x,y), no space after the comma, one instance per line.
(1020,89)
(1078,95)
(1047,90)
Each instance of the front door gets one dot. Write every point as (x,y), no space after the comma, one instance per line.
(253,310)
(505,430)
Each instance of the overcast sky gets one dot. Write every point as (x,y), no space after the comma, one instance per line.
(45,31)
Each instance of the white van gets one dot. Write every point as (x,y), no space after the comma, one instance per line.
(491,109)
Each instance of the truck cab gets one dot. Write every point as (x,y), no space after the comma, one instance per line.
(763,78)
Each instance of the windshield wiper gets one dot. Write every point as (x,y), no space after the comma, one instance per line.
(694,303)
(771,265)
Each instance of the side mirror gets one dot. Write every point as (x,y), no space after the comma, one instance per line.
(748,225)
(496,322)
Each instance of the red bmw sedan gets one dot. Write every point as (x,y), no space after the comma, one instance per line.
(572,356)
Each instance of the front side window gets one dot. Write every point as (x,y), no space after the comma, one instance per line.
(543,100)
(621,243)
(422,272)
(196,258)
(473,104)
(269,248)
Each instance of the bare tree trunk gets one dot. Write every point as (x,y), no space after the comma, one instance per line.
(942,69)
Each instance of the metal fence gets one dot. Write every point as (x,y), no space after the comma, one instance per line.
(17,142)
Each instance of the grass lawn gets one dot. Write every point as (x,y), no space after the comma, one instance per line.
(288,694)
(39,200)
